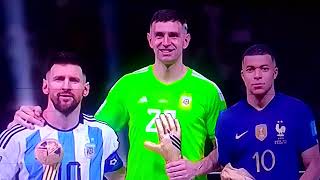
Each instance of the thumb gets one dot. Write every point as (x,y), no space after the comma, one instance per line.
(152,146)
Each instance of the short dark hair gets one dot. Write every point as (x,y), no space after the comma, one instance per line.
(259,49)
(65,57)
(165,15)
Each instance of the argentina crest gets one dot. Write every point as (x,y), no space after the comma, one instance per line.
(89,150)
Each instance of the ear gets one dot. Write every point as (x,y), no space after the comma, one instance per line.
(45,86)
(275,73)
(86,89)
(186,41)
(241,72)
(149,38)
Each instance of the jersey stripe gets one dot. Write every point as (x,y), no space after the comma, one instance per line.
(7,136)
(7,131)
(89,118)
(87,115)
(95,135)
(33,166)
(67,141)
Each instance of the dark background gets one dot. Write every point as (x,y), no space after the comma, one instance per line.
(111,38)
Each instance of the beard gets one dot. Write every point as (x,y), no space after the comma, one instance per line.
(62,107)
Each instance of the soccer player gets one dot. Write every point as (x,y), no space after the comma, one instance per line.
(169,87)
(166,87)
(269,133)
(86,142)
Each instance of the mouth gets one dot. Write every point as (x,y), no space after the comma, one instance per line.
(165,51)
(257,85)
(65,96)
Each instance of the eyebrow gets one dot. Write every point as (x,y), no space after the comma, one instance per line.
(258,66)
(158,33)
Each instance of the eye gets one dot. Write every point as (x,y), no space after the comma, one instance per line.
(159,35)
(265,69)
(58,78)
(173,35)
(249,70)
(74,79)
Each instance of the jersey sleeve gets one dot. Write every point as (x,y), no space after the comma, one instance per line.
(223,141)
(113,161)
(308,130)
(113,111)
(215,105)
(9,154)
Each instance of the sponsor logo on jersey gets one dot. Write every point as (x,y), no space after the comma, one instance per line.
(261,132)
(238,136)
(143,99)
(281,129)
(89,150)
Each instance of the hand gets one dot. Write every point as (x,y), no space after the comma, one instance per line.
(28,116)
(169,135)
(181,169)
(231,173)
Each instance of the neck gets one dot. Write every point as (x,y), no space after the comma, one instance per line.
(59,120)
(259,102)
(169,73)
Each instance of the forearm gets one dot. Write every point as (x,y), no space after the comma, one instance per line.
(207,164)
(117,175)
(312,172)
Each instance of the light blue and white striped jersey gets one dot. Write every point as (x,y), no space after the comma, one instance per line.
(91,144)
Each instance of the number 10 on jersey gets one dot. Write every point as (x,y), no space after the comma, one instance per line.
(260,161)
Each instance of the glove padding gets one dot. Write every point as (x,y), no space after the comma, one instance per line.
(169,136)
(231,173)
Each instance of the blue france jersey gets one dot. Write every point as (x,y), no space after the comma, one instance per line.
(90,144)
(267,143)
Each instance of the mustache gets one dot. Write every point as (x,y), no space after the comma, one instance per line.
(65,93)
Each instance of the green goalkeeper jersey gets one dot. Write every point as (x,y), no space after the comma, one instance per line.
(138,98)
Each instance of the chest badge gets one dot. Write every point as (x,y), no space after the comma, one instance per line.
(89,150)
(261,131)
(185,102)
(281,129)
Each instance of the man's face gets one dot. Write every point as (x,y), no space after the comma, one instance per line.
(168,39)
(65,86)
(258,74)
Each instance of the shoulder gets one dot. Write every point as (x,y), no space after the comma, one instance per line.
(292,102)
(205,83)
(136,74)
(90,121)
(16,134)
(132,77)
(234,110)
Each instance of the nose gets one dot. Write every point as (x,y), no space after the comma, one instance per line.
(166,40)
(257,73)
(66,84)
